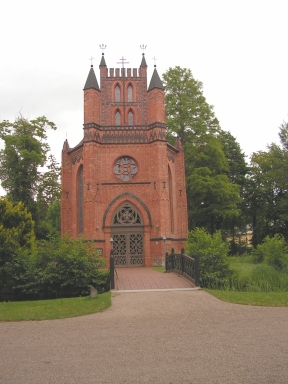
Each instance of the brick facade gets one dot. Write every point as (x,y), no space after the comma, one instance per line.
(92,192)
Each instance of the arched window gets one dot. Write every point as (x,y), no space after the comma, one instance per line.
(80,199)
(130,93)
(118,118)
(117,93)
(130,118)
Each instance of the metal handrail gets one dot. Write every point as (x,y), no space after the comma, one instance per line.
(183,264)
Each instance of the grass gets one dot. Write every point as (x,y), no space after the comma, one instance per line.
(267,299)
(242,265)
(159,269)
(53,309)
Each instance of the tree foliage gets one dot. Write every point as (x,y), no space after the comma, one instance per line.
(212,175)
(22,175)
(212,197)
(16,229)
(188,114)
(267,190)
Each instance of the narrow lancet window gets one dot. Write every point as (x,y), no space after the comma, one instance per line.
(117,94)
(117,118)
(171,201)
(130,93)
(130,118)
(80,199)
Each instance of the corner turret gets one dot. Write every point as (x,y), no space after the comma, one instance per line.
(156,99)
(91,99)
(91,81)
(155,82)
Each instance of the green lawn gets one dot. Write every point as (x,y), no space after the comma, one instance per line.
(53,309)
(267,299)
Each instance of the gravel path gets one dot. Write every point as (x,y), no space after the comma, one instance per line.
(151,337)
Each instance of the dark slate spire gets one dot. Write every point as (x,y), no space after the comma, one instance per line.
(143,62)
(91,81)
(155,82)
(103,62)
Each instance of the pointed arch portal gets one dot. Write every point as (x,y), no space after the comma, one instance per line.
(128,237)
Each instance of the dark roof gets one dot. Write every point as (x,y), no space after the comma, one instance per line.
(143,62)
(91,81)
(102,62)
(155,82)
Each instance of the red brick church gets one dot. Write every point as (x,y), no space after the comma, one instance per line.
(124,180)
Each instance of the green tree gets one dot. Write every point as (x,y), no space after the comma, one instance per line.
(48,200)
(267,190)
(188,113)
(213,196)
(26,151)
(237,172)
(16,231)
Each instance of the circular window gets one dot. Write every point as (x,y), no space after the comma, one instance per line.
(125,168)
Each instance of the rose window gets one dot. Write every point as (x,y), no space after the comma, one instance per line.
(125,168)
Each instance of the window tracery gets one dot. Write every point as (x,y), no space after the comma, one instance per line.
(125,168)
(127,215)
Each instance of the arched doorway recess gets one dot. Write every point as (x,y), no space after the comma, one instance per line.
(127,232)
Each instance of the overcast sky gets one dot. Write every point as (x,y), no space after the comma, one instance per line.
(238,49)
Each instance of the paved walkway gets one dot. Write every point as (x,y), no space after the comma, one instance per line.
(147,278)
(169,337)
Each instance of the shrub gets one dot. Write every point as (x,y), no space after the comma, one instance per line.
(273,250)
(56,269)
(213,260)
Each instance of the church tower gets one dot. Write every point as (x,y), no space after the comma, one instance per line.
(124,180)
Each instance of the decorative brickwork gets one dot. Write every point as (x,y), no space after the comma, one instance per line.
(125,169)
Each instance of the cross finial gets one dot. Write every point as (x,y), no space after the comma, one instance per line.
(143,47)
(102,46)
(154,58)
(123,62)
(91,59)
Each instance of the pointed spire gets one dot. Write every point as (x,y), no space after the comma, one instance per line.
(65,146)
(143,62)
(155,82)
(102,62)
(91,81)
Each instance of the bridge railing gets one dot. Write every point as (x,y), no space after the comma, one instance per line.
(112,270)
(183,264)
